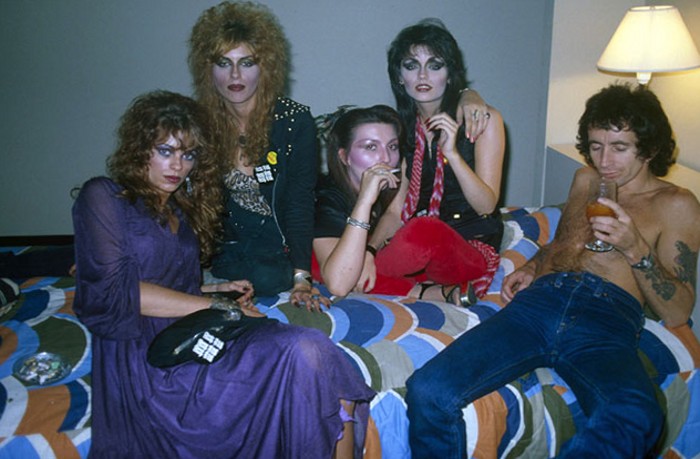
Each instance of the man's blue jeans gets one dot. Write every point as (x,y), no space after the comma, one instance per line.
(583,327)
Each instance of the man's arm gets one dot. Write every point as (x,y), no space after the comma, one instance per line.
(667,279)
(666,271)
(522,277)
(670,293)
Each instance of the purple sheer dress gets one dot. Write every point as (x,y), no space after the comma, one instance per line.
(274,394)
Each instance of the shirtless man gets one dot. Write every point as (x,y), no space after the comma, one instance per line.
(580,312)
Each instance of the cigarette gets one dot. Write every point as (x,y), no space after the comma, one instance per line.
(394,171)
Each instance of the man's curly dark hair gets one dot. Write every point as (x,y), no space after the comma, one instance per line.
(620,107)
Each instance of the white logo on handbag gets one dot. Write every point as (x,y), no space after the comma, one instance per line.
(208,347)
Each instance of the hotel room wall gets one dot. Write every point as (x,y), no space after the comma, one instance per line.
(70,67)
(579,37)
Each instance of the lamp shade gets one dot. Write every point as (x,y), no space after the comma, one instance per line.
(650,39)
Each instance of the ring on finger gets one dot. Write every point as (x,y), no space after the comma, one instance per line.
(315,296)
(487,115)
(475,115)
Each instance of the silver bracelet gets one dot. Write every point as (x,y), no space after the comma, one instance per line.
(303,278)
(364,225)
(224,304)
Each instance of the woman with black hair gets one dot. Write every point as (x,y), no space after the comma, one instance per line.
(446,176)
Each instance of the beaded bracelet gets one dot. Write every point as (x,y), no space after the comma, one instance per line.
(364,225)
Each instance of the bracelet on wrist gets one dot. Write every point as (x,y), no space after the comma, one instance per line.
(224,304)
(357,223)
(303,279)
(371,249)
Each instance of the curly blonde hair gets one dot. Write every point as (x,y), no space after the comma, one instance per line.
(220,29)
(150,119)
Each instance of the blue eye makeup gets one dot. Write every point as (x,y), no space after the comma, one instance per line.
(167,151)
(164,150)
(190,155)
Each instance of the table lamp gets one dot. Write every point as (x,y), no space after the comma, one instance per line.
(650,39)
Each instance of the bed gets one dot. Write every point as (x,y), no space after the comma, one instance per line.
(385,337)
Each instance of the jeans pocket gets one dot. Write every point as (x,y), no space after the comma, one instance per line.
(631,314)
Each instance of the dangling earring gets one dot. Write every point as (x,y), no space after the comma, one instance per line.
(188,185)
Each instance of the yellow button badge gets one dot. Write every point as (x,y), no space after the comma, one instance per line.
(272,157)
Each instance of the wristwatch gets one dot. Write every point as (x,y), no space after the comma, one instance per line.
(645,264)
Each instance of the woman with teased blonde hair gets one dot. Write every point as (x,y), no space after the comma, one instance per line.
(239,61)
(219,30)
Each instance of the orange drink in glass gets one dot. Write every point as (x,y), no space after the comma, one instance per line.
(600,188)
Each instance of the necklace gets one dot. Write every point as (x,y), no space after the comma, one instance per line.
(242,140)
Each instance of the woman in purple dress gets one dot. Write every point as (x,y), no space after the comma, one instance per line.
(278,390)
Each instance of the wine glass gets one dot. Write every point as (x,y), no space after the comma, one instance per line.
(600,188)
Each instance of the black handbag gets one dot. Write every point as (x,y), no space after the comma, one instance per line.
(200,336)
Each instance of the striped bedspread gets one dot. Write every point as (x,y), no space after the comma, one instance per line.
(385,337)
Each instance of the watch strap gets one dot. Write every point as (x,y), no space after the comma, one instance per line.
(645,264)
